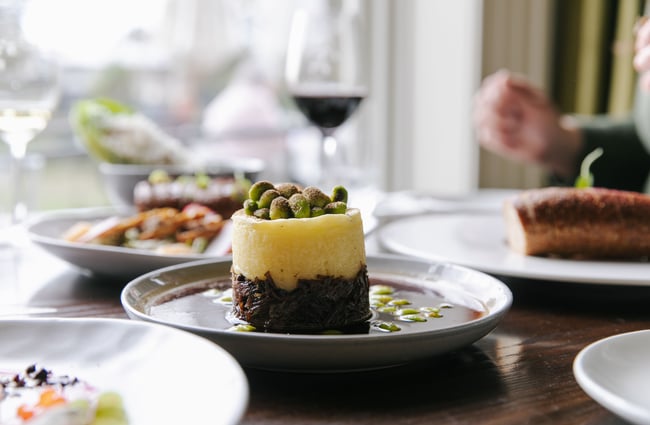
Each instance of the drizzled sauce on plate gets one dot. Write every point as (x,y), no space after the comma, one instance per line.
(399,304)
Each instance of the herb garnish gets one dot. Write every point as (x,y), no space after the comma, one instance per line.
(586,178)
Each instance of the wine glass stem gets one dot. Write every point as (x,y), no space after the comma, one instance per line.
(328,158)
(18,150)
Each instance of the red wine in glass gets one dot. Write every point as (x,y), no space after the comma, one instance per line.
(327,111)
(328,108)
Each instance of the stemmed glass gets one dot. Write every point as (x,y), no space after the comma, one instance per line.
(325,75)
(29,88)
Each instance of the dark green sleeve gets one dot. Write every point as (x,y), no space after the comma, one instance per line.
(641,115)
(625,163)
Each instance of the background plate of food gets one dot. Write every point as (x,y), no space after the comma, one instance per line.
(126,243)
(71,371)
(514,244)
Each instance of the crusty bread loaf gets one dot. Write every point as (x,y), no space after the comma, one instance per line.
(570,222)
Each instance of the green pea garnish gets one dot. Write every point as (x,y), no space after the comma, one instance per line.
(406,311)
(381,290)
(400,302)
(279,208)
(310,202)
(159,176)
(386,326)
(412,318)
(316,197)
(335,208)
(317,212)
(299,206)
(381,298)
(202,181)
(331,332)
(267,197)
(339,194)
(258,188)
(262,213)
(387,309)
(242,328)
(287,189)
(250,206)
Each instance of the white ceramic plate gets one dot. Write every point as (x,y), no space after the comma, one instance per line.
(408,203)
(47,229)
(164,376)
(478,241)
(616,373)
(328,353)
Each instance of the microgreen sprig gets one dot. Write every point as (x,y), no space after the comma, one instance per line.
(586,178)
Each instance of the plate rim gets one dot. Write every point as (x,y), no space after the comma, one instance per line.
(488,321)
(242,396)
(601,394)
(546,274)
(94,258)
(504,307)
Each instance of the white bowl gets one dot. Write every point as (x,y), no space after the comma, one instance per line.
(120,179)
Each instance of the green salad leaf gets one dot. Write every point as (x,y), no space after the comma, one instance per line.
(86,117)
(113,132)
(586,178)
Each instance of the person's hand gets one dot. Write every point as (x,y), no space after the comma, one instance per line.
(515,119)
(642,53)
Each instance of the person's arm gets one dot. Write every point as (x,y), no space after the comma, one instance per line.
(518,121)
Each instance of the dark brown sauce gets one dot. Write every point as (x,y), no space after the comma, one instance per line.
(205,304)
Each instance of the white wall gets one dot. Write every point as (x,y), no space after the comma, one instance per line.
(426,68)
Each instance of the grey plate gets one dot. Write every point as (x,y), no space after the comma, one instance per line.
(127,263)
(332,353)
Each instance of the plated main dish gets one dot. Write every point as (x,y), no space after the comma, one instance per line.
(299,265)
(418,309)
(37,395)
(299,270)
(299,259)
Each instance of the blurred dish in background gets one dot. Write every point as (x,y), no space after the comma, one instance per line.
(48,229)
(120,180)
(129,148)
(477,240)
(116,133)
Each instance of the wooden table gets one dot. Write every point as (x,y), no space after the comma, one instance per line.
(521,373)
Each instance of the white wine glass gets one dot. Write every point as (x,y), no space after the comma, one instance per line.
(325,75)
(29,91)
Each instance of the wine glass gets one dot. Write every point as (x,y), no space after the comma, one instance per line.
(325,76)
(29,88)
